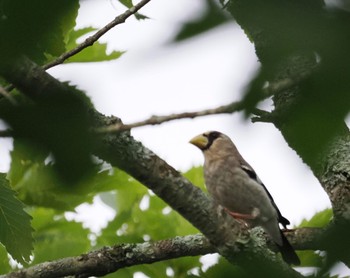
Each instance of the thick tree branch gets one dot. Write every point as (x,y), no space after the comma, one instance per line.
(92,39)
(335,175)
(111,259)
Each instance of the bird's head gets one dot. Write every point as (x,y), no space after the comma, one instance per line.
(214,145)
(206,140)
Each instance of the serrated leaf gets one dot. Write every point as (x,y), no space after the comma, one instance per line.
(15,228)
(95,53)
(74,35)
(126,3)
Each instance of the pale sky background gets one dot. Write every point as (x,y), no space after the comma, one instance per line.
(156,77)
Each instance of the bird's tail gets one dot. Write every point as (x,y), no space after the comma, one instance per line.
(287,252)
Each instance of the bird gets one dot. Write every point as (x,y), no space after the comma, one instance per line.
(233,184)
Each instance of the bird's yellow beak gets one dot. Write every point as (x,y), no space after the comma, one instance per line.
(199,141)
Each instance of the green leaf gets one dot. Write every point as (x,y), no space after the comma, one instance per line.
(126,3)
(74,35)
(211,18)
(129,4)
(55,237)
(35,27)
(309,258)
(320,219)
(95,53)
(15,228)
(132,223)
(38,185)
(195,175)
(4,261)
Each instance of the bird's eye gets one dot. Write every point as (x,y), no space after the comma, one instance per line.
(213,135)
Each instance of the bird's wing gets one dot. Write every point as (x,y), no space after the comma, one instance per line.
(251,173)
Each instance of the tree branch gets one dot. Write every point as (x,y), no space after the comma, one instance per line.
(6,133)
(272,89)
(156,120)
(110,259)
(92,39)
(4,93)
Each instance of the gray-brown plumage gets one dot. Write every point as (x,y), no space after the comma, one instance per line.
(234,185)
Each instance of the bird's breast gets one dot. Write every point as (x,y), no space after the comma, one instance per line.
(230,188)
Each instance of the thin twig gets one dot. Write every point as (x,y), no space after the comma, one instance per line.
(271,89)
(92,39)
(156,120)
(5,93)
(6,133)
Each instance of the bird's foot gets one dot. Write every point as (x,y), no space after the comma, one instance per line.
(287,230)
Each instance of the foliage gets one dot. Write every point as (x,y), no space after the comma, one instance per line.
(53,171)
(36,27)
(212,17)
(96,53)
(15,228)
(320,219)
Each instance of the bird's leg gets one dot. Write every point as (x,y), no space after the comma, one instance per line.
(241,216)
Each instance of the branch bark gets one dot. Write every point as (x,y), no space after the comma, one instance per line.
(157,120)
(111,259)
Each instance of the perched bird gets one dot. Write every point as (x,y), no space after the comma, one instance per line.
(234,185)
